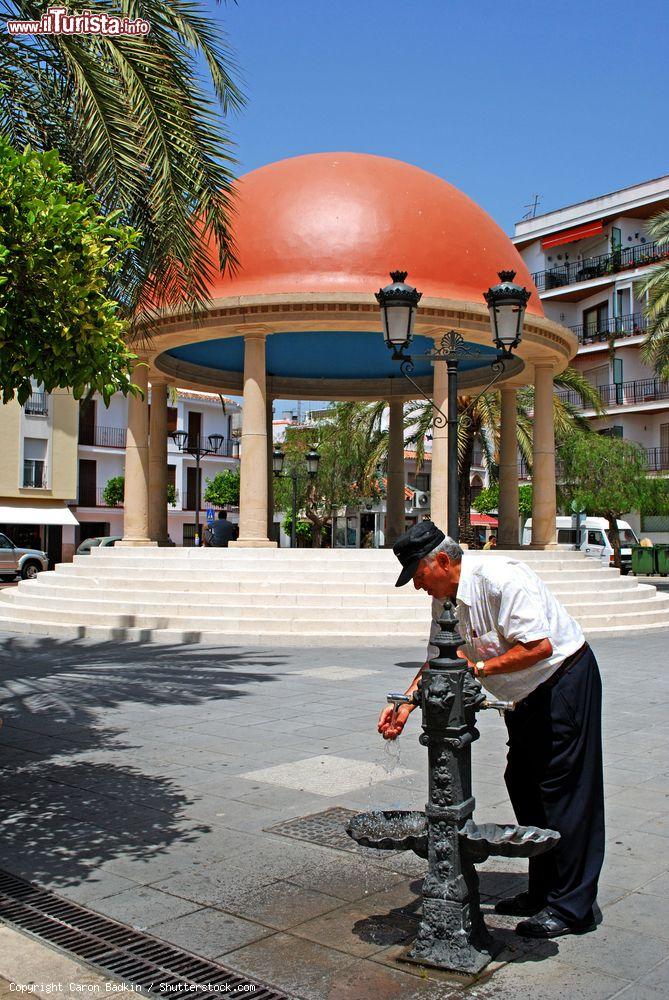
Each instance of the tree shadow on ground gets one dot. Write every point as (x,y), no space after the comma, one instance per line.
(74,798)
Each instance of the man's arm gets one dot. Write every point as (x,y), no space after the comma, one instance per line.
(519,657)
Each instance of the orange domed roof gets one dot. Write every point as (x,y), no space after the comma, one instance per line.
(339,222)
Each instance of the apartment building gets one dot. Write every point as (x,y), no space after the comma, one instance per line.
(101,457)
(586,261)
(38,471)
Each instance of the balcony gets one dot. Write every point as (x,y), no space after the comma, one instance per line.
(34,474)
(622,326)
(102,437)
(657,459)
(37,404)
(94,497)
(623,259)
(227,449)
(646,390)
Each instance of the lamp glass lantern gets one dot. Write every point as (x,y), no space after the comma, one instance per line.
(507,302)
(180,439)
(277,461)
(398,302)
(215,442)
(312,459)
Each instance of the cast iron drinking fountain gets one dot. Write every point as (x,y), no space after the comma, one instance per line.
(452,933)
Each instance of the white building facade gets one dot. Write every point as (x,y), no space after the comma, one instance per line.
(586,262)
(101,457)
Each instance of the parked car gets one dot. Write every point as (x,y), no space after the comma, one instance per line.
(14,561)
(594,539)
(92,543)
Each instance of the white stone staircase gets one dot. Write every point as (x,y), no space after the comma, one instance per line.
(268,595)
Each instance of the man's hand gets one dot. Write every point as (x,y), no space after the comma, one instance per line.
(391,722)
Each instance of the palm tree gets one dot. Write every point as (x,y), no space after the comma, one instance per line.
(655,349)
(130,118)
(481,422)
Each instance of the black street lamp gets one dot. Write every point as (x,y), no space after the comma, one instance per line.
(189,444)
(506,305)
(312,459)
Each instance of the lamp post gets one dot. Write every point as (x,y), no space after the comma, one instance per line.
(399,303)
(189,444)
(312,459)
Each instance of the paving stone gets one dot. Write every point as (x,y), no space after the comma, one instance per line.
(640,912)
(282,905)
(537,979)
(614,950)
(347,879)
(209,932)
(309,970)
(323,775)
(142,906)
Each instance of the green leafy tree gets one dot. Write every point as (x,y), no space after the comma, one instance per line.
(223,489)
(481,422)
(114,491)
(353,445)
(655,349)
(303,529)
(139,120)
(605,477)
(488,500)
(58,256)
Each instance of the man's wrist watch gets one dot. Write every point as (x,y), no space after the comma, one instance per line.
(479,668)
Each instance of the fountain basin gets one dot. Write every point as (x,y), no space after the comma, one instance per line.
(406,830)
(486,840)
(390,830)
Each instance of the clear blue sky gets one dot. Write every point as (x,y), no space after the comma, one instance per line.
(504,100)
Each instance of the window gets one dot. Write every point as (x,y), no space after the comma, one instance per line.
(597,376)
(595,320)
(596,538)
(5,542)
(664,436)
(34,463)
(654,522)
(423,481)
(36,404)
(567,536)
(615,431)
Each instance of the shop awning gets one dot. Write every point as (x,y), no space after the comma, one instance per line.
(571,235)
(19,513)
(483,520)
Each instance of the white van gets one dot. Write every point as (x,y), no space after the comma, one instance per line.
(594,540)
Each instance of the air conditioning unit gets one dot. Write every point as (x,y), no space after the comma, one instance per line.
(421,499)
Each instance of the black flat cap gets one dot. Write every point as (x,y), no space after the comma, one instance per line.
(414,545)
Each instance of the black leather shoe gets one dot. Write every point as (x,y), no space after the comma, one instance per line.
(547,924)
(522,905)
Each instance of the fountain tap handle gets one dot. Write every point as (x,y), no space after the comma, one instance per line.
(402,699)
(500,706)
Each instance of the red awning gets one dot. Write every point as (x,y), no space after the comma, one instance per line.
(571,235)
(483,521)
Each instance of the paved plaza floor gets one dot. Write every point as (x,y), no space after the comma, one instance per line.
(142,782)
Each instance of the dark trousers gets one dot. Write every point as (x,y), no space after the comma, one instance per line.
(554,778)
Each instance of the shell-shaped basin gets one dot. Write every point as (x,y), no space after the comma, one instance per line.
(507,841)
(390,830)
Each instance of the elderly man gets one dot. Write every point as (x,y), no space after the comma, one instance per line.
(524,647)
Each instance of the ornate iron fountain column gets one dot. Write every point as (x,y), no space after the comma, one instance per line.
(452,933)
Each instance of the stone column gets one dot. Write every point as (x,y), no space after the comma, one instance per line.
(270,474)
(439,478)
(507,532)
(253,488)
(158,463)
(136,497)
(395,489)
(543,459)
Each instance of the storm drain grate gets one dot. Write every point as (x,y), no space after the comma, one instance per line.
(132,956)
(328,829)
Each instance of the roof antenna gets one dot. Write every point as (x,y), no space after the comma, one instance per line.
(532,207)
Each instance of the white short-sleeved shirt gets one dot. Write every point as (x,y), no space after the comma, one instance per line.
(502,602)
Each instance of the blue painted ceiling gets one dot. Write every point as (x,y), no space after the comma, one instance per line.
(322,355)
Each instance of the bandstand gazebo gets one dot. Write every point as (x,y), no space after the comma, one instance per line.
(315,237)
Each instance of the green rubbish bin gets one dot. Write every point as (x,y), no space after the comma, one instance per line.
(662,559)
(643,560)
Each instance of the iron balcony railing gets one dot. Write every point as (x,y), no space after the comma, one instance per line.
(34,475)
(37,404)
(657,459)
(622,259)
(524,471)
(621,326)
(103,437)
(645,390)
(93,496)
